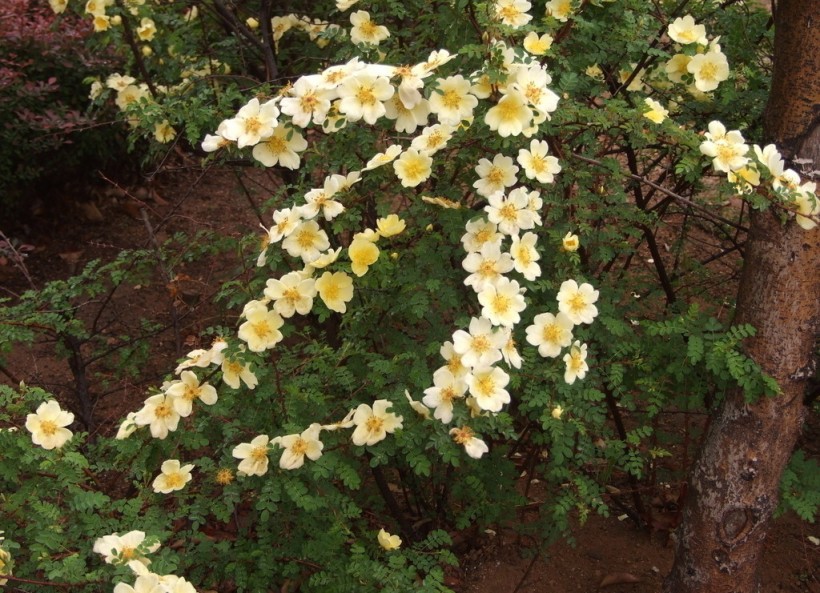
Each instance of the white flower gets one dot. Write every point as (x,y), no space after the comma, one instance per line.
(173,477)
(285,222)
(413,168)
(709,69)
(254,456)
(291,294)
(260,331)
(537,163)
(550,333)
(577,302)
(281,148)
(532,83)
(451,101)
(726,149)
(446,388)
(510,116)
(383,158)
(342,5)
(481,346)
(145,583)
(373,424)
(365,30)
(186,390)
(495,176)
(47,425)
(486,266)
(128,427)
(159,414)
(306,101)
(502,302)
(320,200)
(452,360)
(234,371)
(122,549)
(307,241)
(363,96)
(298,446)
(486,385)
(525,256)
(576,361)
(212,142)
(362,253)
(807,205)
(685,31)
(480,232)
(657,113)
(407,118)
(512,213)
(513,13)
(432,138)
(418,407)
(509,350)
(252,123)
(465,436)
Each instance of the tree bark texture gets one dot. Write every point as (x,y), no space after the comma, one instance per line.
(734,484)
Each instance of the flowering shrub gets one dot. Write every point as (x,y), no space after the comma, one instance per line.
(425,311)
(43,63)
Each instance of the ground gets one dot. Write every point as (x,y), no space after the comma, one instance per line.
(610,554)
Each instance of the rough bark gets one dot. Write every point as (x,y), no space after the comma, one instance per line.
(734,485)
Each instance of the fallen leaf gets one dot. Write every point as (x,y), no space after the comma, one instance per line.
(618,578)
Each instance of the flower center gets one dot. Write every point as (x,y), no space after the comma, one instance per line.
(252,125)
(174,480)
(374,424)
(708,71)
(551,333)
(481,344)
(508,212)
(48,427)
(259,454)
(163,411)
(277,145)
(463,435)
(451,99)
(305,238)
(501,303)
(365,96)
(262,329)
(495,176)
(485,386)
(299,447)
(577,303)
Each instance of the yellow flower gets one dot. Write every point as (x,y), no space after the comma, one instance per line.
(224,476)
(163,132)
(390,226)
(146,30)
(412,167)
(5,564)
(254,456)
(101,22)
(252,23)
(362,255)
(570,242)
(388,541)
(173,477)
(335,290)
(557,411)
(536,45)
(657,113)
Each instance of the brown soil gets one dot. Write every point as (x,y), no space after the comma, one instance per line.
(611,555)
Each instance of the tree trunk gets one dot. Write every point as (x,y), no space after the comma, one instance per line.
(734,484)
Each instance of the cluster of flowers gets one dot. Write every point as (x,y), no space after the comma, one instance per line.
(130,549)
(96,9)
(729,151)
(515,13)
(699,63)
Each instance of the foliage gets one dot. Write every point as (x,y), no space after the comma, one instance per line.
(630,191)
(44,140)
